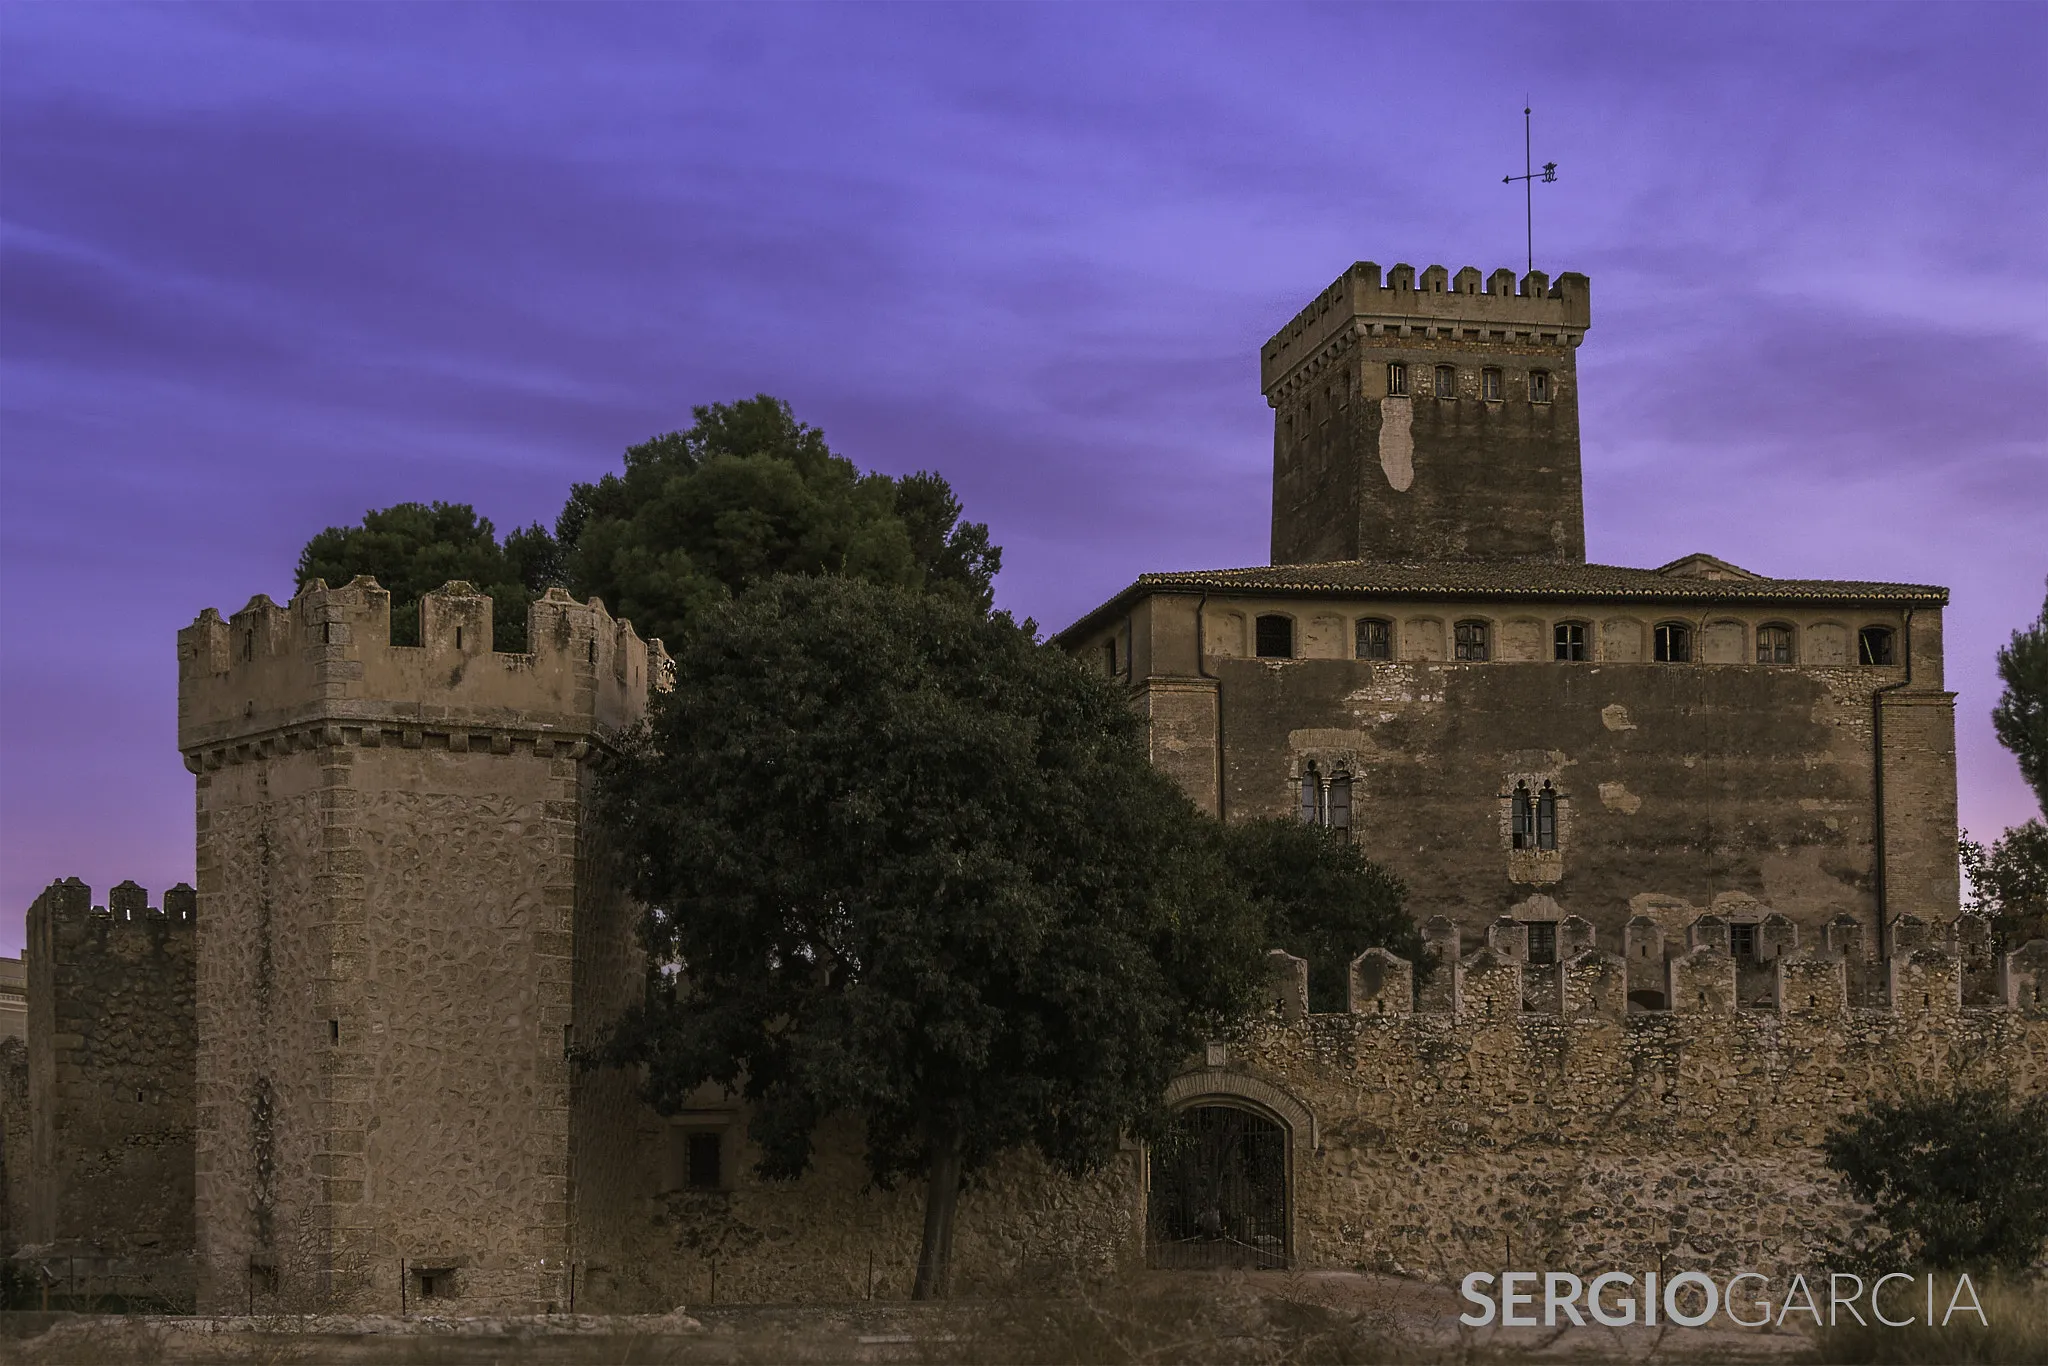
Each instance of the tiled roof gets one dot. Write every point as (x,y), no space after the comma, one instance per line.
(1527,581)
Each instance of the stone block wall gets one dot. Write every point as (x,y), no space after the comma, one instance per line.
(110,1083)
(1589,1132)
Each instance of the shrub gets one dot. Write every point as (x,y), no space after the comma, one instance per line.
(1958,1177)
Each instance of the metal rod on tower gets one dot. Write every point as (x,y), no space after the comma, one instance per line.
(1528,179)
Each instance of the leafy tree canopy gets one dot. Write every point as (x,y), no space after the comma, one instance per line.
(414,548)
(1959,1178)
(907,864)
(2009,883)
(748,492)
(1321,899)
(2021,716)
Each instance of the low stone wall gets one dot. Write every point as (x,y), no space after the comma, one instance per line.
(1593,1134)
(1540,1124)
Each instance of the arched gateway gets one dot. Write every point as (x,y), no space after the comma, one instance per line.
(1219,1180)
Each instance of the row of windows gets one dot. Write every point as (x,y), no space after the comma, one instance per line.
(1672,641)
(1742,941)
(1491,387)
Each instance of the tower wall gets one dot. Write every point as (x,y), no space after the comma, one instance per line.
(110,1088)
(1484,469)
(391,855)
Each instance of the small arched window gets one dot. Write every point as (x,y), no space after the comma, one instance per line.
(1874,645)
(1673,643)
(1489,385)
(1275,636)
(1546,818)
(1375,638)
(1472,641)
(1397,379)
(1539,386)
(1337,807)
(1447,381)
(1522,817)
(1774,643)
(1311,794)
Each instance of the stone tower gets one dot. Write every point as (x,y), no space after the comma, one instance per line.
(1429,420)
(108,1187)
(397,894)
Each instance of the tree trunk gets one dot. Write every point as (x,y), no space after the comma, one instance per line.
(941,1197)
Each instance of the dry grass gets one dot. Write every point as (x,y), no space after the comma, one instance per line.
(2017,1332)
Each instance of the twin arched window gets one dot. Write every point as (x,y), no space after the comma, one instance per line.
(1534,817)
(1326,801)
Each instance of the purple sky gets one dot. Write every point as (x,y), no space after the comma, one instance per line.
(265,268)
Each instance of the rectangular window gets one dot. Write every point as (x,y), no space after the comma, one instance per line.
(1489,385)
(1539,386)
(1774,645)
(1571,641)
(1471,638)
(1874,645)
(1742,940)
(1109,657)
(1542,941)
(1274,637)
(1375,639)
(705,1170)
(1397,379)
(1673,644)
(1446,381)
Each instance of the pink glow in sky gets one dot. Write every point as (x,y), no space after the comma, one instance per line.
(263,268)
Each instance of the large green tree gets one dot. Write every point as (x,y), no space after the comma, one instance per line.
(907,865)
(1321,899)
(743,493)
(414,548)
(2009,881)
(746,492)
(2021,716)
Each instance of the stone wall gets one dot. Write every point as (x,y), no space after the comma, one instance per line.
(1677,785)
(110,1094)
(831,1236)
(14,1143)
(1591,1134)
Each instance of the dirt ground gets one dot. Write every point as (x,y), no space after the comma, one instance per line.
(1258,1317)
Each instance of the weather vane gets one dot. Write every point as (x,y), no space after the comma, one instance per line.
(1529,178)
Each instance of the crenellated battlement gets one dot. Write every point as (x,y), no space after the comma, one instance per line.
(1929,974)
(1462,307)
(324,665)
(1599,1130)
(65,908)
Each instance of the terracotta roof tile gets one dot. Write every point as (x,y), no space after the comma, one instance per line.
(1515,580)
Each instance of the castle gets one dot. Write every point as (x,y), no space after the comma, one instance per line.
(1683,839)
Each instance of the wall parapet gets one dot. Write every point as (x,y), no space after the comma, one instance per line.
(1935,972)
(279,673)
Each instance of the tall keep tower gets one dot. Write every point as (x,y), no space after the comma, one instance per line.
(1429,419)
(400,904)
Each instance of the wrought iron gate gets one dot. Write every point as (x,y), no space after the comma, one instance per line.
(1218,1191)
